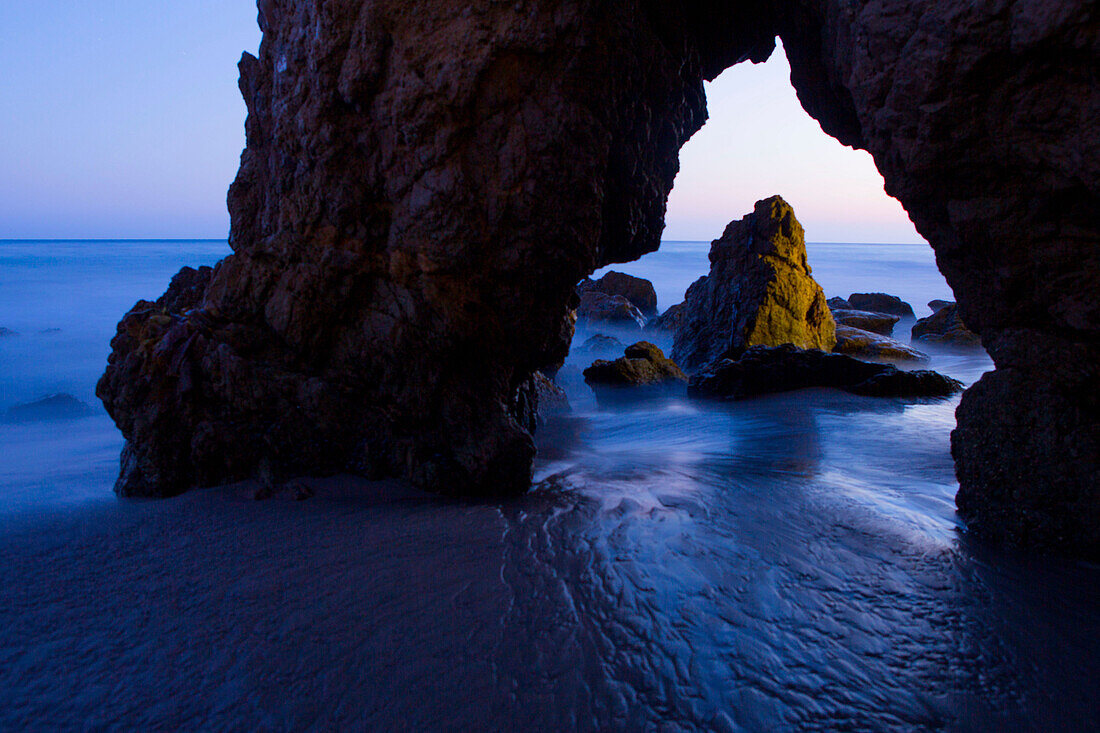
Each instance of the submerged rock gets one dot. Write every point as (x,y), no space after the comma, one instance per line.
(55,407)
(764,370)
(881,323)
(637,290)
(5,332)
(857,342)
(601,343)
(945,326)
(759,291)
(642,365)
(598,307)
(881,303)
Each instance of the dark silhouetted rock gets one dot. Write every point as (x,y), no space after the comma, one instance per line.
(425,183)
(860,343)
(945,326)
(936,305)
(838,303)
(671,320)
(759,291)
(597,307)
(54,407)
(642,365)
(764,370)
(538,399)
(916,383)
(881,323)
(638,291)
(881,303)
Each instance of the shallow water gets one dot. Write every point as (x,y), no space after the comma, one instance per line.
(785,563)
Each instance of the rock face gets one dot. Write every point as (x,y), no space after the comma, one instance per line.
(425,182)
(637,290)
(671,320)
(764,370)
(857,342)
(880,303)
(642,365)
(537,400)
(881,323)
(945,326)
(759,292)
(596,308)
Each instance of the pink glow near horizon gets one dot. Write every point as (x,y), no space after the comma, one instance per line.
(758,142)
(123,120)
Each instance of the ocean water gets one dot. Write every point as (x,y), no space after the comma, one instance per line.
(786,563)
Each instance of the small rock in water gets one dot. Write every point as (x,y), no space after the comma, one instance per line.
(882,323)
(597,307)
(938,305)
(602,343)
(637,290)
(642,365)
(838,303)
(881,303)
(945,326)
(857,342)
(54,407)
(49,331)
(4,332)
(764,370)
(917,383)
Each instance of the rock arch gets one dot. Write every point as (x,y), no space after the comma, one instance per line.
(425,181)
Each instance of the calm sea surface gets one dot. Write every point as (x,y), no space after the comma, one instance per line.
(786,563)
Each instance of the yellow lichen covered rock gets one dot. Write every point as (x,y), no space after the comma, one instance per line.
(760,292)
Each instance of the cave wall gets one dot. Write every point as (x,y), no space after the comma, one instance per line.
(984,119)
(425,181)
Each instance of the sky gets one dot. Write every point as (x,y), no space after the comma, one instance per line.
(122,119)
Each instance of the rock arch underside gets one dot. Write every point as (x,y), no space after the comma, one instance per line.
(424,183)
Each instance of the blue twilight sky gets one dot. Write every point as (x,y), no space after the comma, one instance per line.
(122,118)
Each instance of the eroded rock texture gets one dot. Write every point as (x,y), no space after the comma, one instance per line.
(759,292)
(424,184)
(425,181)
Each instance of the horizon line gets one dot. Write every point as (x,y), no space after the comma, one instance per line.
(226,240)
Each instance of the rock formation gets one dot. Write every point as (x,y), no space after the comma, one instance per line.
(881,323)
(880,303)
(425,183)
(637,290)
(598,308)
(642,365)
(769,369)
(759,292)
(945,326)
(868,345)
(601,343)
(671,320)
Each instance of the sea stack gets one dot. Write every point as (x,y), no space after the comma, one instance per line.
(760,292)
